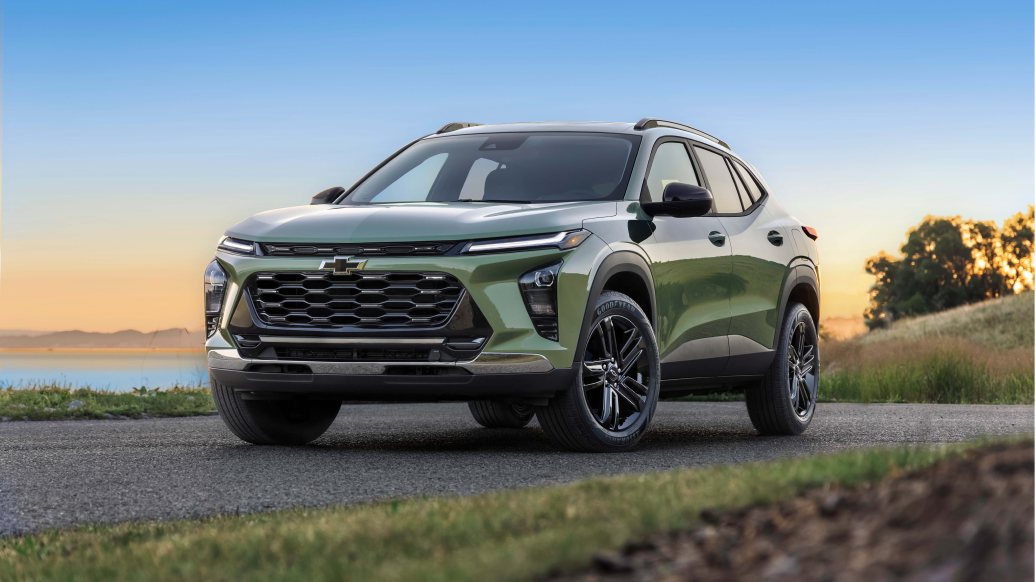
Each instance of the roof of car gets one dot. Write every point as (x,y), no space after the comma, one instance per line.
(459,128)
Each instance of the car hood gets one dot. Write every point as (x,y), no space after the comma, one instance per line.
(416,221)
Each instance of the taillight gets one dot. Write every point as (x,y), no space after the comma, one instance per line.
(810,232)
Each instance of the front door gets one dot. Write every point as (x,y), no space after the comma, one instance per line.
(691,265)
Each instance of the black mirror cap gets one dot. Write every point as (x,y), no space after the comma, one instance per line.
(681,200)
(328,196)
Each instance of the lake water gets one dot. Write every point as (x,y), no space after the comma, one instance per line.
(116,370)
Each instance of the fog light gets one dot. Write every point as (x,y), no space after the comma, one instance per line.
(540,291)
(215,289)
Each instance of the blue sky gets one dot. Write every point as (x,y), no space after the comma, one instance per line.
(136,126)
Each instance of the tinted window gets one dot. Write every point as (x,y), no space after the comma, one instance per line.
(724,192)
(741,192)
(753,186)
(512,167)
(671,163)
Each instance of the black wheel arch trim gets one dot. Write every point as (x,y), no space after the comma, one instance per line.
(798,275)
(613,264)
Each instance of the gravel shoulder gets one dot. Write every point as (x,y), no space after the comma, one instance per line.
(58,474)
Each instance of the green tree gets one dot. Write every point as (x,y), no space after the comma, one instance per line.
(1016,241)
(948,262)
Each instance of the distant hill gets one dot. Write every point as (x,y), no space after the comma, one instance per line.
(22,332)
(1002,323)
(130,338)
(839,328)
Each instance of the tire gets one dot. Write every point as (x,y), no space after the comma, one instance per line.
(598,413)
(500,414)
(785,401)
(273,422)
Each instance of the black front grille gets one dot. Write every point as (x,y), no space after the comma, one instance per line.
(423,249)
(368,299)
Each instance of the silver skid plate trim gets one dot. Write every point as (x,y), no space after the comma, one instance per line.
(485,363)
(355,341)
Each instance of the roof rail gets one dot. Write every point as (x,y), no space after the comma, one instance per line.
(649,122)
(455,126)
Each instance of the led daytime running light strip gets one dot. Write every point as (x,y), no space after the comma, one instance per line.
(237,246)
(561,240)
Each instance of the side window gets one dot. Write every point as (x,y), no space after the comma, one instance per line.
(671,163)
(741,192)
(724,192)
(753,187)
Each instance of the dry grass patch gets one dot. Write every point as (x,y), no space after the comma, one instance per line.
(945,370)
(976,354)
(1002,323)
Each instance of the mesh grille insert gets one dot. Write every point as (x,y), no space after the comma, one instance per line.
(368,299)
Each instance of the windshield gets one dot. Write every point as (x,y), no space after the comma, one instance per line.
(505,167)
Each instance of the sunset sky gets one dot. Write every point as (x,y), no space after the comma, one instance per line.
(134,133)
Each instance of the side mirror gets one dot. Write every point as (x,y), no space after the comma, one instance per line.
(681,200)
(328,196)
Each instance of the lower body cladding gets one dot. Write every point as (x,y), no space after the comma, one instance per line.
(519,378)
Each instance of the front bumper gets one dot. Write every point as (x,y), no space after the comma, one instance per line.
(520,377)
(513,363)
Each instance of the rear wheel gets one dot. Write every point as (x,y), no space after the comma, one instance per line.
(500,414)
(273,422)
(785,402)
(611,402)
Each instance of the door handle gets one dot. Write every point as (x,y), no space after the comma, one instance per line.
(717,238)
(775,238)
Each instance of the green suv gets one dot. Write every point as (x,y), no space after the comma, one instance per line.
(573,271)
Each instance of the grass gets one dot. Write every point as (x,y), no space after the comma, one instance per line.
(508,535)
(51,402)
(946,370)
(976,354)
(1001,324)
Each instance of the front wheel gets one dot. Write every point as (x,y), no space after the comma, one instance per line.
(273,422)
(610,403)
(785,402)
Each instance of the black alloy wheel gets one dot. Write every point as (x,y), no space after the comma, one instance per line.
(615,391)
(615,365)
(802,377)
(786,399)
(500,414)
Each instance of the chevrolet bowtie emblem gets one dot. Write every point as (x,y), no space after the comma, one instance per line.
(343,265)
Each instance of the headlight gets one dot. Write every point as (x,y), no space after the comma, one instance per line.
(540,291)
(237,246)
(562,240)
(215,289)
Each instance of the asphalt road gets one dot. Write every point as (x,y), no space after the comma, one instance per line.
(57,474)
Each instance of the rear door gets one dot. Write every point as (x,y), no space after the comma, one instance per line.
(690,263)
(762,250)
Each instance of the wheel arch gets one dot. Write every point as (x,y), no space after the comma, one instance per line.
(625,272)
(802,286)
